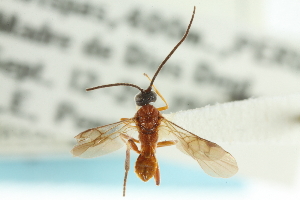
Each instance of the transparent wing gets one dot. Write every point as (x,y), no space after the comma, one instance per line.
(213,159)
(101,140)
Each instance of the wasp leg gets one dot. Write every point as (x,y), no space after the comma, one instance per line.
(162,144)
(126,138)
(127,167)
(157,175)
(159,94)
(123,119)
(166,143)
(130,143)
(133,146)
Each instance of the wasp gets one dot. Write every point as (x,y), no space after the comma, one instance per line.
(150,127)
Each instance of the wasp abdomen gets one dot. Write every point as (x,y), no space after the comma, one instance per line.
(145,167)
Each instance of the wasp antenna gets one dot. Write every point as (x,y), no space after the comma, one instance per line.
(115,84)
(173,50)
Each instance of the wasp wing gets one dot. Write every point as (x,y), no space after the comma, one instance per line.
(101,140)
(213,159)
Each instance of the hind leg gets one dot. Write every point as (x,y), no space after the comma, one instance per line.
(162,144)
(130,143)
(157,175)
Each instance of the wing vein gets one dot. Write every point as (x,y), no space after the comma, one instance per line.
(213,159)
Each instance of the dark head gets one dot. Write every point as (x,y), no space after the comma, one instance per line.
(147,96)
(144,98)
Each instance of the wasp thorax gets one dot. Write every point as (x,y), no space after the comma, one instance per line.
(144,98)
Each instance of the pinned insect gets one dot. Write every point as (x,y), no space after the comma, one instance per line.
(151,127)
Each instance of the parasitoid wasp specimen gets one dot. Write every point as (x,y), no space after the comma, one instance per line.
(151,127)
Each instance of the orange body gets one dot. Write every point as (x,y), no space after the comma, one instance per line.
(147,120)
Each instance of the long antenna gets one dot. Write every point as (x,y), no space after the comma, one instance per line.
(173,50)
(115,84)
(158,69)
